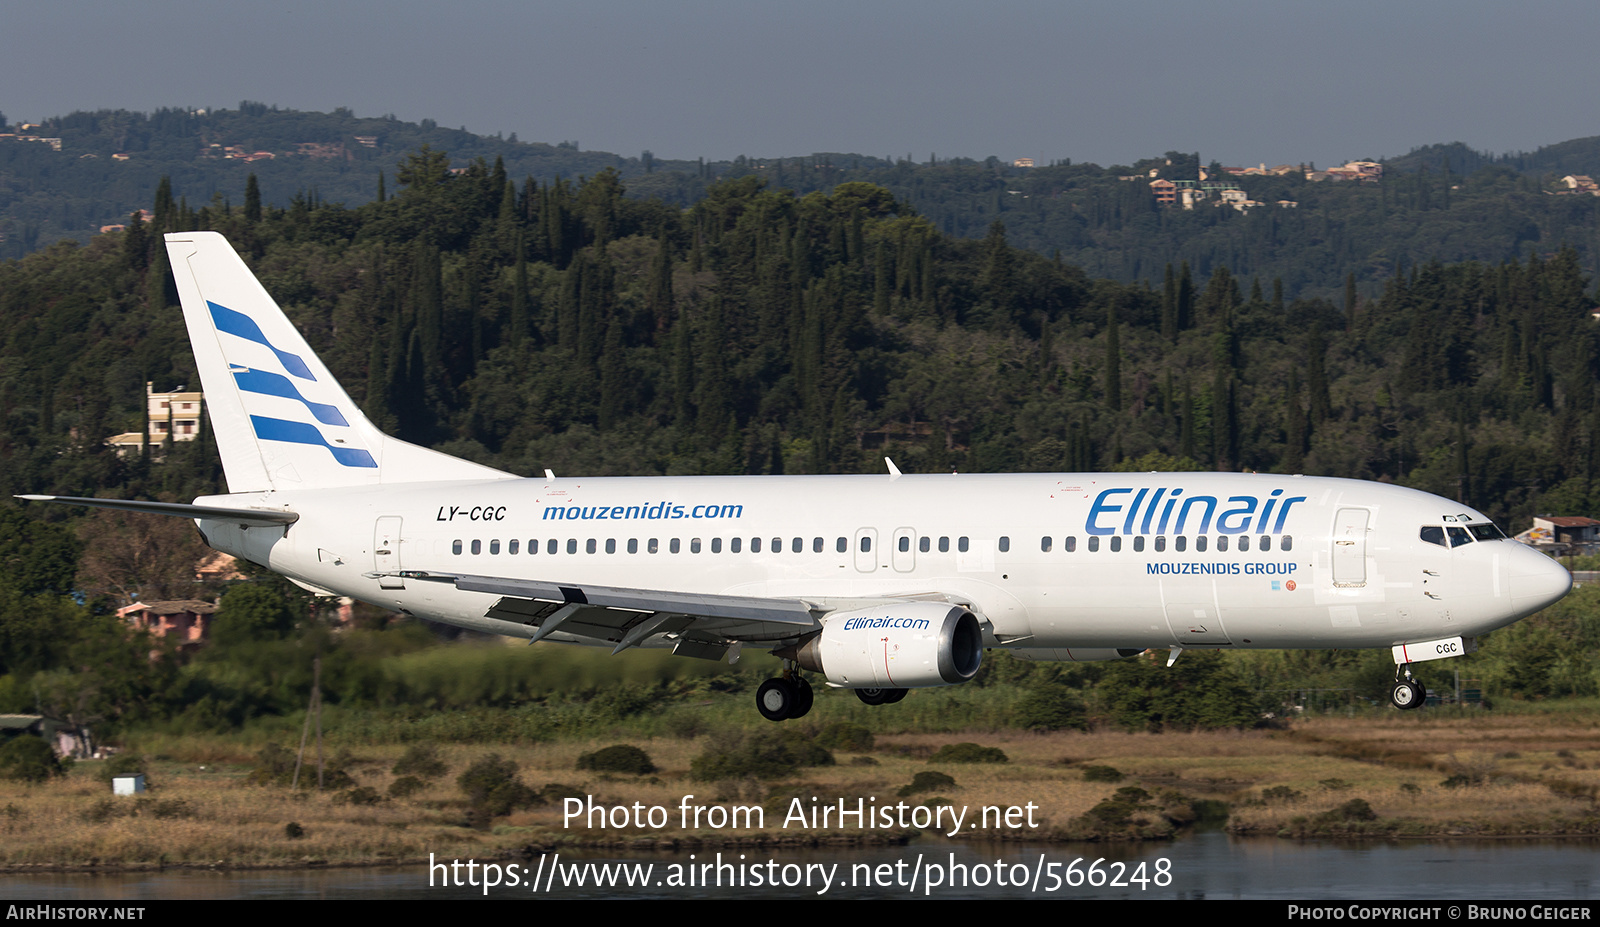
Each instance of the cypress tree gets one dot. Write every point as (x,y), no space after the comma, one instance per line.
(252,197)
(1113,385)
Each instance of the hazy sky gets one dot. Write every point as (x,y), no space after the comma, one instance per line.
(1240,81)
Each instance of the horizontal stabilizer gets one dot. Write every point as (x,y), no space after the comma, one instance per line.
(238,516)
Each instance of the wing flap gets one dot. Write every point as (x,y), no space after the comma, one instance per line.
(625,617)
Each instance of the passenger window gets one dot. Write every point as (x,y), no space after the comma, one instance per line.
(1458,536)
(777,545)
(796,545)
(924,544)
(905,545)
(1244,542)
(653,546)
(1094,543)
(866,544)
(1070,545)
(961,545)
(675,546)
(1180,543)
(1138,542)
(755,545)
(1286,543)
(716,545)
(477,547)
(550,546)
(611,545)
(694,545)
(1222,542)
(572,545)
(1044,544)
(589,546)
(455,547)
(816,545)
(494,546)
(1265,542)
(1161,543)
(1433,534)
(633,545)
(842,545)
(1200,543)
(1005,545)
(511,547)
(944,545)
(734,545)
(1116,543)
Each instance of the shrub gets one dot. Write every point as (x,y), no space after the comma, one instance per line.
(421,761)
(406,786)
(969,753)
(1281,793)
(123,764)
(275,766)
(293,830)
(621,758)
(1356,809)
(1101,774)
(844,735)
(927,781)
(1051,706)
(361,795)
(493,789)
(28,759)
(738,756)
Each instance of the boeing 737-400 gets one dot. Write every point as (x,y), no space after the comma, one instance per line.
(879,584)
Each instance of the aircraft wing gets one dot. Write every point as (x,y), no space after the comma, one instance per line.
(701,624)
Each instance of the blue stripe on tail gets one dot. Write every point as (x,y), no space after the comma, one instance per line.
(271,384)
(237,323)
(277,429)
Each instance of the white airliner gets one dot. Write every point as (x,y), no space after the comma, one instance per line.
(879,584)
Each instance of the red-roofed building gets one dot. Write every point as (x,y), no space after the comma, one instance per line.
(186,621)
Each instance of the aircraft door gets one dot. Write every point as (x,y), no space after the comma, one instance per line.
(866,555)
(386,551)
(905,550)
(1350,547)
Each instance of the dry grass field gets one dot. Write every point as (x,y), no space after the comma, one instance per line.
(1430,774)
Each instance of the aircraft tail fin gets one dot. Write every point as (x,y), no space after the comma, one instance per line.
(280,419)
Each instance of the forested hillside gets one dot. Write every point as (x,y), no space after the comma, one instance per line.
(571,326)
(1442,202)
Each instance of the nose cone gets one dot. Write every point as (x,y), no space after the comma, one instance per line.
(1536,581)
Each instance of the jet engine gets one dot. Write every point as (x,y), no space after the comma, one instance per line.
(906,645)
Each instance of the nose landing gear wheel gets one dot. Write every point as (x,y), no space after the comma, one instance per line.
(1408,694)
(777,699)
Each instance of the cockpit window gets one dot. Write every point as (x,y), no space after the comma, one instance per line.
(1458,536)
(1488,531)
(1433,534)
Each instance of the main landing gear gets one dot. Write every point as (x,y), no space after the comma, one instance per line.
(784,697)
(1407,693)
(880,696)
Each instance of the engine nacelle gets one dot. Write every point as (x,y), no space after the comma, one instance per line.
(1074,654)
(908,645)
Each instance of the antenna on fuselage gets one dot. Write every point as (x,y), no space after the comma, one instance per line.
(894,471)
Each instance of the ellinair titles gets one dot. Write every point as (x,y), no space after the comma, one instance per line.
(880,584)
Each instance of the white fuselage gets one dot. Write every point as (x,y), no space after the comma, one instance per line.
(1048,561)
